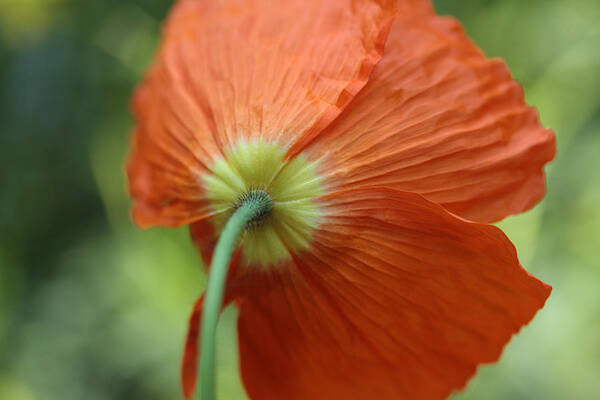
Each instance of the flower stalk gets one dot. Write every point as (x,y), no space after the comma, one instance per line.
(251,209)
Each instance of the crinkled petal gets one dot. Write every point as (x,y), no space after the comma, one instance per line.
(397,299)
(231,70)
(440,119)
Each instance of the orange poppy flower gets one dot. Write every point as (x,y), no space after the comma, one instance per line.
(387,141)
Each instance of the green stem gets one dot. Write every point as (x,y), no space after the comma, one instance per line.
(251,209)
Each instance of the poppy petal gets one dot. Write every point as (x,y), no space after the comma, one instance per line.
(203,236)
(440,119)
(163,169)
(232,70)
(398,299)
(189,363)
(414,8)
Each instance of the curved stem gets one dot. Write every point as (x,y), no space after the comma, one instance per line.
(253,207)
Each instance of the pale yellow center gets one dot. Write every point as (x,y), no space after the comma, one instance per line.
(292,184)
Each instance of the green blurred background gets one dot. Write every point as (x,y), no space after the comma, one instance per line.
(93,308)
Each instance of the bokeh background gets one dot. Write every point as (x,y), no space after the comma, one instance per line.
(93,308)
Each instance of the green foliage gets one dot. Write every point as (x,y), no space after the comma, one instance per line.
(93,308)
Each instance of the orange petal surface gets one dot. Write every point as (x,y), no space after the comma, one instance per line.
(397,299)
(440,119)
(231,70)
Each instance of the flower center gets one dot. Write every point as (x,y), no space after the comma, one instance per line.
(292,185)
(264,203)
